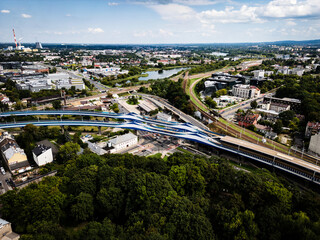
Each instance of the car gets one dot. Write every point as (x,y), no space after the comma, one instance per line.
(2,171)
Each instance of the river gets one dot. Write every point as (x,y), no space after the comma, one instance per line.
(160,74)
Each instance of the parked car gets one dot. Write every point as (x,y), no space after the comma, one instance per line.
(2,171)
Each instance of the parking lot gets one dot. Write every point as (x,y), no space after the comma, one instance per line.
(150,144)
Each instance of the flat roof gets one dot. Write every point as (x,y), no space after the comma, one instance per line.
(3,223)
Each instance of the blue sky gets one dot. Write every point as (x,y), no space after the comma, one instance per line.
(159,21)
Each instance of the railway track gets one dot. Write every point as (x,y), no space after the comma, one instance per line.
(279,147)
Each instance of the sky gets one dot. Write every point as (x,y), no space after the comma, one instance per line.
(159,21)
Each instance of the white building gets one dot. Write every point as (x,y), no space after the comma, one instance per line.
(96,149)
(68,83)
(245,91)
(34,85)
(42,155)
(164,117)
(314,145)
(258,73)
(122,142)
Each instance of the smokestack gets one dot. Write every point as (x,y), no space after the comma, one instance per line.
(15,40)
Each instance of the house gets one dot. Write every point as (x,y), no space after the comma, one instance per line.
(121,142)
(13,156)
(262,128)
(6,231)
(312,128)
(42,155)
(47,143)
(248,119)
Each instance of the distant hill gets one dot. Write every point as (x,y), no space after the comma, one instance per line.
(292,42)
(314,43)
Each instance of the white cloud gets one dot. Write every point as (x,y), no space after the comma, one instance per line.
(165,33)
(229,15)
(290,8)
(25,15)
(68,15)
(142,34)
(5,11)
(95,30)
(197,3)
(291,23)
(52,32)
(275,9)
(183,2)
(112,4)
(174,12)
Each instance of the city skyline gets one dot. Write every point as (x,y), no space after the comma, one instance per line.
(158,22)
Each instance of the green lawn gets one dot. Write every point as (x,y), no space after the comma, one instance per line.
(189,83)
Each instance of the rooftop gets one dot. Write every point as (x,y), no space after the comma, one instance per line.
(38,150)
(122,138)
(3,223)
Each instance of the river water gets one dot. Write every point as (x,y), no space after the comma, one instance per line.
(160,75)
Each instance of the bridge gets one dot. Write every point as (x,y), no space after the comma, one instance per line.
(283,162)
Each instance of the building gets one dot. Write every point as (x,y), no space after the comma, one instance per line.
(6,231)
(248,119)
(38,45)
(268,114)
(258,82)
(279,107)
(121,142)
(295,104)
(34,68)
(164,117)
(147,108)
(314,145)
(245,91)
(69,83)
(312,128)
(49,144)
(96,149)
(42,155)
(34,85)
(14,157)
(258,73)
(227,80)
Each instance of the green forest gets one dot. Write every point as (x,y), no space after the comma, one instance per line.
(307,89)
(183,197)
(173,92)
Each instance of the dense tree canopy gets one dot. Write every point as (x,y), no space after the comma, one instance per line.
(173,92)
(183,197)
(308,91)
